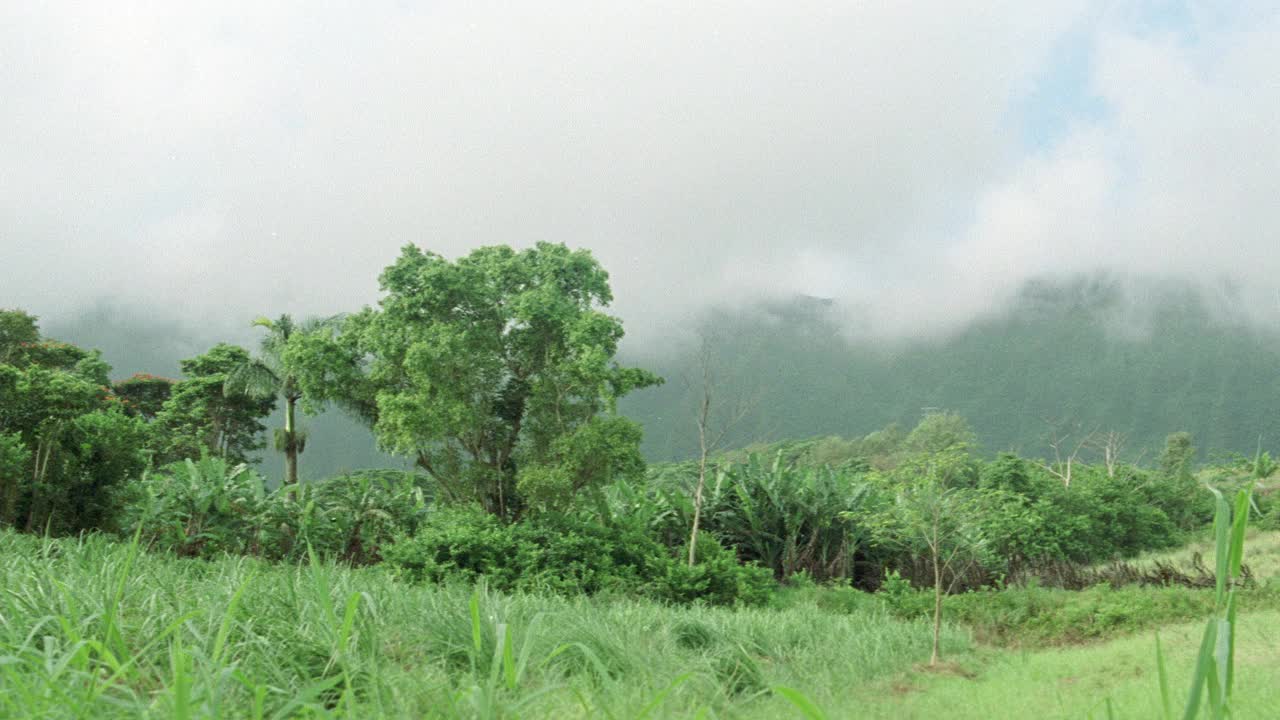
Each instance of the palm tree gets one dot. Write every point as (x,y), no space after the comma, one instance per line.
(269,375)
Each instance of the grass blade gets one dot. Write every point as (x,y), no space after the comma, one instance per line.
(1222,545)
(806,706)
(508,659)
(224,629)
(1163,674)
(1204,667)
(477,638)
(661,696)
(1239,523)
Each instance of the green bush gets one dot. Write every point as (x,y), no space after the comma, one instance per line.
(717,578)
(350,517)
(196,508)
(457,545)
(566,555)
(1101,518)
(787,518)
(902,599)
(209,507)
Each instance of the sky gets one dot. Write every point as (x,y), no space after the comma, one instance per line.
(918,162)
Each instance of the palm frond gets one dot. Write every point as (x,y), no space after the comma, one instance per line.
(254,378)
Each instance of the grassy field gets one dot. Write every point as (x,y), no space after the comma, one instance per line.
(1116,677)
(1080,681)
(1262,553)
(92,629)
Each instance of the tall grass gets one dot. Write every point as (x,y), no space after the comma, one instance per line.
(95,629)
(1214,675)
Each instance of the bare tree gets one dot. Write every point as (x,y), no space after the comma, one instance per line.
(1110,444)
(1065,452)
(712,426)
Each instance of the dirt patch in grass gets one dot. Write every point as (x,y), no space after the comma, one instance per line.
(946,668)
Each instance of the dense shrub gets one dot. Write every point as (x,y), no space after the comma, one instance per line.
(793,518)
(208,507)
(568,554)
(716,578)
(787,518)
(457,544)
(1028,522)
(1101,518)
(350,517)
(196,508)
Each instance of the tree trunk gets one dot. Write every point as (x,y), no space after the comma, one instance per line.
(291,444)
(703,416)
(937,608)
(697,508)
(9,502)
(43,455)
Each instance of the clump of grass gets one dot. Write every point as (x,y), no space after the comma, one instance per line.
(693,635)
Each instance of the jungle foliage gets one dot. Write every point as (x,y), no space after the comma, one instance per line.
(495,375)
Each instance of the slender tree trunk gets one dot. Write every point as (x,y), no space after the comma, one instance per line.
(702,472)
(291,443)
(937,609)
(697,509)
(44,453)
(9,502)
(935,549)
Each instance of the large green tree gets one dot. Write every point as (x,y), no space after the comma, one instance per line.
(65,441)
(201,418)
(495,373)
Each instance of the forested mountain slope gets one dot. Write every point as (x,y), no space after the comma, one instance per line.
(1067,358)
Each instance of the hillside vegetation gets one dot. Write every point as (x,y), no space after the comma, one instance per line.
(1066,359)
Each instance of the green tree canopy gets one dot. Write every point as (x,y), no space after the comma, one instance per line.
(65,441)
(939,431)
(200,418)
(144,394)
(495,373)
(1178,456)
(17,330)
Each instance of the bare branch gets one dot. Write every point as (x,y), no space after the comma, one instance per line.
(1061,445)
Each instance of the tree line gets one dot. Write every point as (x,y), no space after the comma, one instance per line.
(495,374)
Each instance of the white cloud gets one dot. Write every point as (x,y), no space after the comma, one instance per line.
(232,159)
(1176,179)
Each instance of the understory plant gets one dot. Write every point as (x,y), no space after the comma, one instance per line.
(207,507)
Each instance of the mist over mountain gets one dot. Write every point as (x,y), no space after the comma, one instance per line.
(1093,353)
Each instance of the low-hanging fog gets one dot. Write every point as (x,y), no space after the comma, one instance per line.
(203,163)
